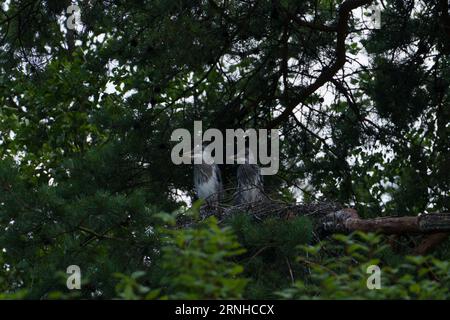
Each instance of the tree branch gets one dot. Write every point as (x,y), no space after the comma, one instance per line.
(348,220)
(329,72)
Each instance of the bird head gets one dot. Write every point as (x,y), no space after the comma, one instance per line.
(199,155)
(245,156)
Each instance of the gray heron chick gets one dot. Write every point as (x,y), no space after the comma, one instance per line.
(250,186)
(208,182)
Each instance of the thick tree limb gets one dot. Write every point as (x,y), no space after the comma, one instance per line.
(435,226)
(348,220)
(389,225)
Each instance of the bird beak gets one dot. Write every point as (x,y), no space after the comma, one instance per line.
(188,154)
(192,155)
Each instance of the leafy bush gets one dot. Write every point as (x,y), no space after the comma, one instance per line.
(197,263)
(270,244)
(345,275)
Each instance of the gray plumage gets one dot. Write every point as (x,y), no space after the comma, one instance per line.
(208,183)
(250,188)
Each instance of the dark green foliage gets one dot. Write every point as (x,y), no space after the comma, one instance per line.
(86,118)
(270,244)
(414,277)
(196,263)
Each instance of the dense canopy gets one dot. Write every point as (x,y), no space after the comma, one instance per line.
(86,116)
